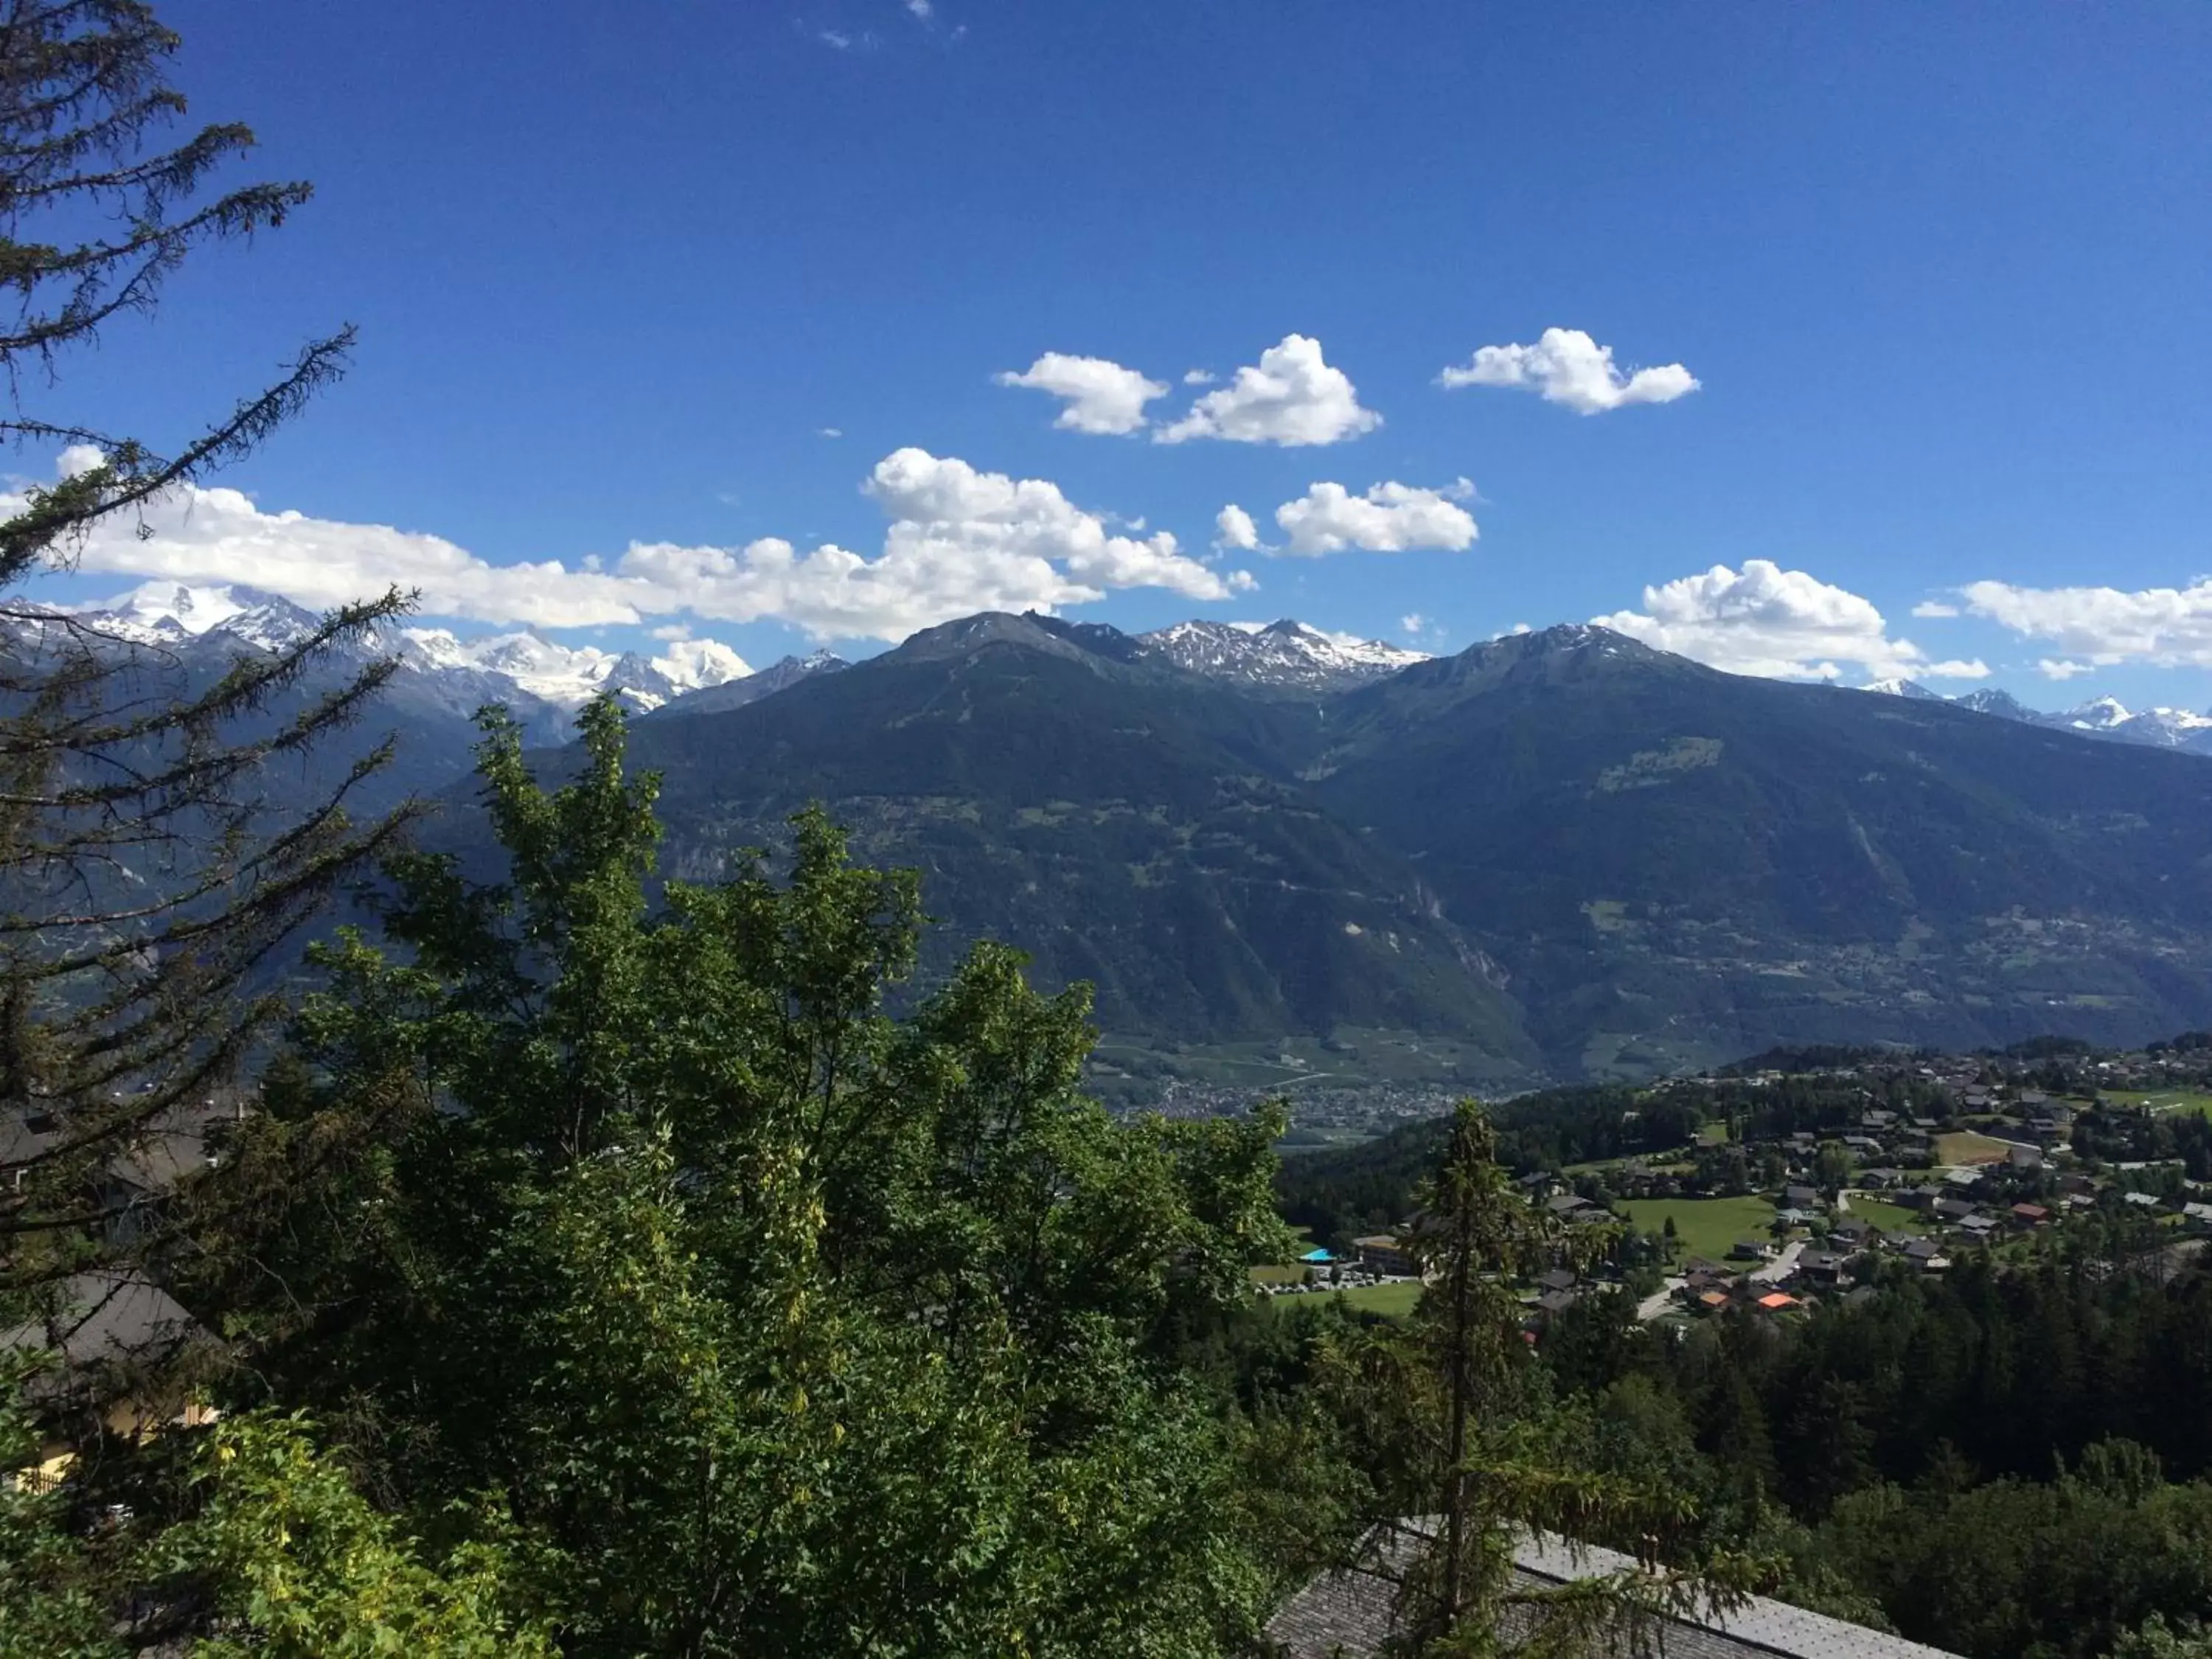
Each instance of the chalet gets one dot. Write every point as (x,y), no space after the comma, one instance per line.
(1801,1198)
(1777,1301)
(1557,1279)
(1352,1613)
(2025,1157)
(1564,1204)
(2030,1215)
(1979,1225)
(1953,1209)
(1750,1249)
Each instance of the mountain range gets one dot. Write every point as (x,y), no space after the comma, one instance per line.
(1561,853)
(2099,717)
(1557,855)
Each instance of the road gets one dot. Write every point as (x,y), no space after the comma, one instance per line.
(1656,1304)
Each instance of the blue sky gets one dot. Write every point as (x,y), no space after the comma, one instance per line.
(1942,275)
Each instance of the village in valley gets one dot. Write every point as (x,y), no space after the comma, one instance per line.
(1826,1175)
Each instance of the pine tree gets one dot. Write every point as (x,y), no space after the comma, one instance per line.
(150,870)
(145,874)
(1467,1459)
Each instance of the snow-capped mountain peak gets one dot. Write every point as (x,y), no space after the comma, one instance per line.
(169,613)
(1286,655)
(462,673)
(1903,688)
(569,675)
(2099,715)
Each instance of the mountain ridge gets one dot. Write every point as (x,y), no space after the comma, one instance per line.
(1655,862)
(1554,854)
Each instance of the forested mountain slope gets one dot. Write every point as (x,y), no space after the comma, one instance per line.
(1581,855)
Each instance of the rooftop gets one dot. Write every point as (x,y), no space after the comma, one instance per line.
(1349,1613)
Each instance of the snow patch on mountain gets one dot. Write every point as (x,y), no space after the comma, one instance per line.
(1285,655)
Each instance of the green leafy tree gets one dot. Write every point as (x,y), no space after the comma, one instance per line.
(786,1326)
(246,1538)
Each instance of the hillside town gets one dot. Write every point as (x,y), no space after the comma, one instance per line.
(1900,1168)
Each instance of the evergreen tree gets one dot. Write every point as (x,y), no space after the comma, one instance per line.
(1468,1461)
(144,875)
(146,879)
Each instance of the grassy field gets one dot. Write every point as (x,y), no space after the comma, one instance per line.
(1965,1146)
(2163,1100)
(1393,1301)
(1890,1218)
(1707,1226)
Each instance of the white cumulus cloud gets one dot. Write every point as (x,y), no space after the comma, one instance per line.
(1785,624)
(1567,365)
(959,540)
(1098,396)
(2054,668)
(1198,377)
(2168,627)
(1935,609)
(1390,517)
(1293,397)
(1234,530)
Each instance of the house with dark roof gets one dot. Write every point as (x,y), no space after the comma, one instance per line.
(113,1341)
(1351,1613)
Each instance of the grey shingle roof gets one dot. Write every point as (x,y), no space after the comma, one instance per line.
(1348,1614)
